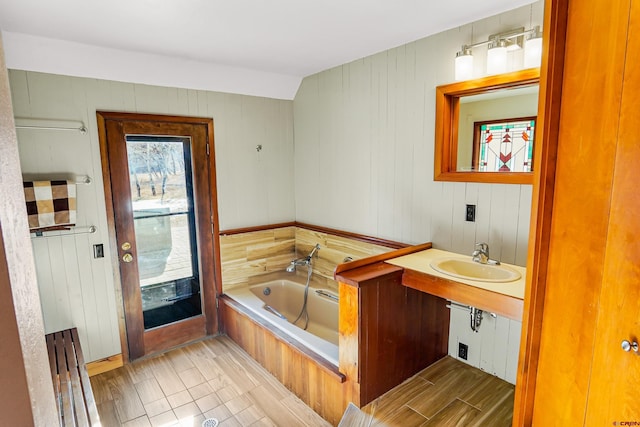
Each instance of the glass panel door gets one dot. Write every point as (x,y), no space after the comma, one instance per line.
(162,201)
(160,178)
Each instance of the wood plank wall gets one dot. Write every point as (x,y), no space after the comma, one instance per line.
(333,250)
(78,290)
(364,136)
(246,256)
(494,349)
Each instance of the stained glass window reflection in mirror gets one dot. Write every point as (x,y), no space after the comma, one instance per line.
(504,145)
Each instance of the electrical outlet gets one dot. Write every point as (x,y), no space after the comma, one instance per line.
(471,213)
(463,351)
(98,251)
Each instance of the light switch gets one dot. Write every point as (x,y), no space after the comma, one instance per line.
(98,251)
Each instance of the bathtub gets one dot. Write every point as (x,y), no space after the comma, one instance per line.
(280,301)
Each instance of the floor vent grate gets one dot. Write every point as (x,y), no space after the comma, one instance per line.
(210,422)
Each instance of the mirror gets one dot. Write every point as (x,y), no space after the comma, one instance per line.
(485,129)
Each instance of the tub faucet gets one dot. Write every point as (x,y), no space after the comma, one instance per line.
(481,255)
(302,261)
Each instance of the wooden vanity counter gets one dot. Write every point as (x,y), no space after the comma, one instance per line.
(503,298)
(394,319)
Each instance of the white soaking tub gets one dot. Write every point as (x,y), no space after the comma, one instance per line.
(280,301)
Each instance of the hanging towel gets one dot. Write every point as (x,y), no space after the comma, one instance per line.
(50,204)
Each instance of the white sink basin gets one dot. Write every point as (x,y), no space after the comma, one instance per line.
(470,270)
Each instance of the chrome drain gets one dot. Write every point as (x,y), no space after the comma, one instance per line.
(210,422)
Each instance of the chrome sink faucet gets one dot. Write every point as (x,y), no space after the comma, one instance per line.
(481,255)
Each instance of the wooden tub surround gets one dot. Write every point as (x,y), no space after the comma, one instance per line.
(387,333)
(313,379)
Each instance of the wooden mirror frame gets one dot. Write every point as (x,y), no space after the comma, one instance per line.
(447,118)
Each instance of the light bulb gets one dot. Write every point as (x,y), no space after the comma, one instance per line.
(533,49)
(497,58)
(464,65)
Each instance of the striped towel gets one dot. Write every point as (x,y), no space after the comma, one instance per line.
(50,204)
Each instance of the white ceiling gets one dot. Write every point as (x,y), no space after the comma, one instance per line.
(284,40)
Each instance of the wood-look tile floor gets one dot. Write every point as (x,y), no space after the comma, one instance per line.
(447,393)
(213,378)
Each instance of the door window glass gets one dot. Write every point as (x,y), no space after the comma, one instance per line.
(164,221)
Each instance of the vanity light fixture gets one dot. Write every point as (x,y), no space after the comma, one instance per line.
(498,46)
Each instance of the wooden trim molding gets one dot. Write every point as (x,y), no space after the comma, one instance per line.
(357,276)
(359,237)
(447,102)
(160,118)
(500,304)
(342,268)
(253,229)
(111,230)
(213,321)
(548,124)
(104,365)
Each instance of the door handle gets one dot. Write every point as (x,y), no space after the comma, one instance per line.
(627,346)
(127,257)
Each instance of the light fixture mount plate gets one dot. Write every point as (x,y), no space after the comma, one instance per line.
(514,38)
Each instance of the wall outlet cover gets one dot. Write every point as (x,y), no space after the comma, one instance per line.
(463,351)
(471,213)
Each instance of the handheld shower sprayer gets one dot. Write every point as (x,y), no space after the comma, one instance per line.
(292,268)
(313,252)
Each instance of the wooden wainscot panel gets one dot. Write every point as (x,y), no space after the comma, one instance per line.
(352,237)
(348,339)
(248,253)
(399,330)
(503,305)
(335,247)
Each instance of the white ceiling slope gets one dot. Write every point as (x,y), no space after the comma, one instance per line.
(254,47)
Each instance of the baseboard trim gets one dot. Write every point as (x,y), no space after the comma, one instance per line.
(104,365)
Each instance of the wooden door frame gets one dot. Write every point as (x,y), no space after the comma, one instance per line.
(551,81)
(209,293)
